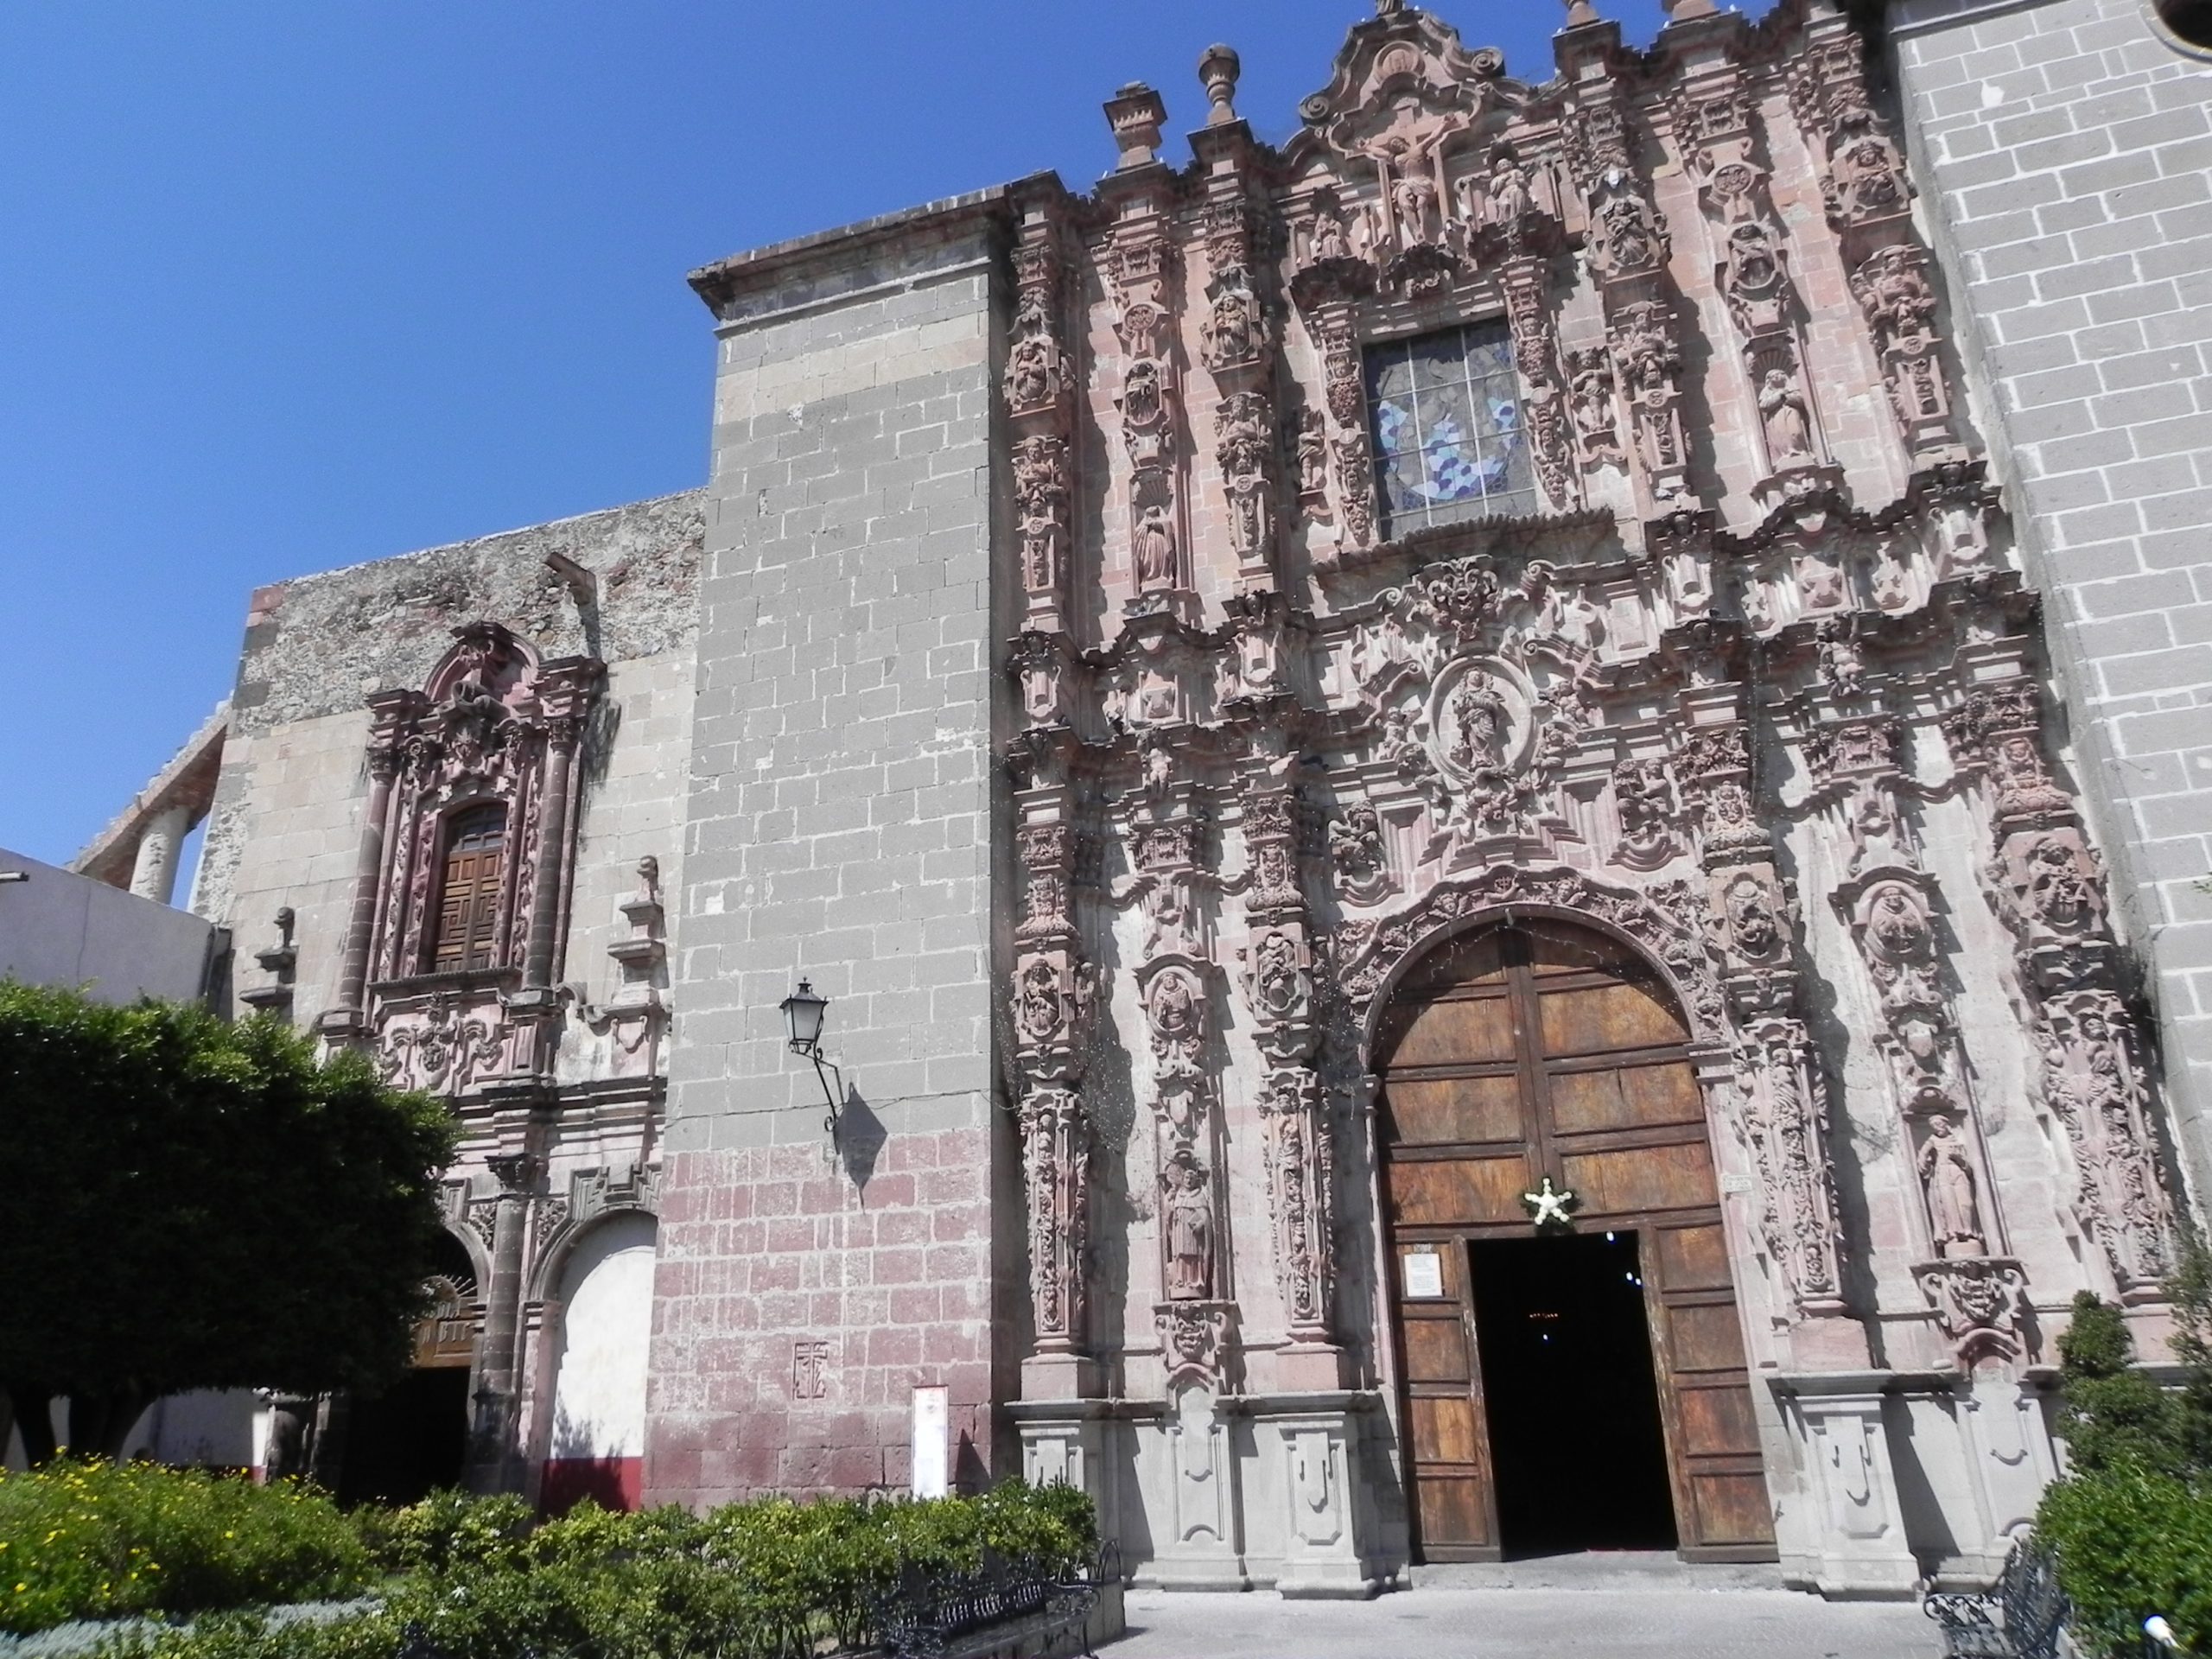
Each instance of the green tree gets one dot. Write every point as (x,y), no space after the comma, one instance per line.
(198,1204)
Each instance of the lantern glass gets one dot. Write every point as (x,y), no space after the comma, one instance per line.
(803,1012)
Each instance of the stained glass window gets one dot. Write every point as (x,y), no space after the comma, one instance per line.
(1448,440)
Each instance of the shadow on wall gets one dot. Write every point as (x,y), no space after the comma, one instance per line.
(860,1136)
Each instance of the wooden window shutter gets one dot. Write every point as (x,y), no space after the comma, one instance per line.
(468,899)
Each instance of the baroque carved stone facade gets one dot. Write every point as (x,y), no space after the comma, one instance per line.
(1507,510)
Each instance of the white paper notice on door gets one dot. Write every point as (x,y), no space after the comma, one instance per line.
(933,1441)
(1424,1273)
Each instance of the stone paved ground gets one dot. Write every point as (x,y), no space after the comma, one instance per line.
(1510,1613)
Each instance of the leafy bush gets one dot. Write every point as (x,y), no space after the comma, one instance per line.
(2131,1543)
(92,1540)
(2131,1526)
(767,1579)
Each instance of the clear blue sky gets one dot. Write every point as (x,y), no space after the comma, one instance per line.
(287,286)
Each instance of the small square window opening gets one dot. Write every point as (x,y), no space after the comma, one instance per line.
(1449,443)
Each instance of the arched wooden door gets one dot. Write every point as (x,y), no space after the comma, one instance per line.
(1545,1049)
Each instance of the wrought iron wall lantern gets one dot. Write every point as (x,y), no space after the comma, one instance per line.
(804,1010)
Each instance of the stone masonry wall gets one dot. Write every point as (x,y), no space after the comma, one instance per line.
(2064,151)
(839,827)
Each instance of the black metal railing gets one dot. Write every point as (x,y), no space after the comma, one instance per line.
(927,1612)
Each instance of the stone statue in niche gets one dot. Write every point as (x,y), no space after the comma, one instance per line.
(1313,447)
(1187,1220)
(1177,1033)
(1782,408)
(1155,549)
(1752,923)
(1485,724)
(1753,282)
(1144,414)
(1230,332)
(1506,202)
(1877,839)
(1947,1176)
(1040,1004)
(1356,850)
(1841,670)
(1328,239)
(1592,396)
(2060,891)
(1278,981)
(1645,803)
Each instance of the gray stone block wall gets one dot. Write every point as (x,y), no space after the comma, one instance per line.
(839,827)
(2064,153)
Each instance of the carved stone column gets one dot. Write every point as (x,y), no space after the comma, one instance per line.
(1039,402)
(2049,887)
(1781,1090)
(1891,907)
(1625,248)
(1714,130)
(1326,288)
(1238,333)
(1299,1139)
(1869,200)
(565,692)
(1196,1310)
(1139,260)
(494,1446)
(1051,1011)
(390,713)
(153,873)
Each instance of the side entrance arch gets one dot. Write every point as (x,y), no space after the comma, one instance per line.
(1562,1388)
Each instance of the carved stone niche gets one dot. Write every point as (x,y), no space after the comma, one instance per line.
(1755,929)
(2052,890)
(1051,1003)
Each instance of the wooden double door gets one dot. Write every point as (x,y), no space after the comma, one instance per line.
(1578,1386)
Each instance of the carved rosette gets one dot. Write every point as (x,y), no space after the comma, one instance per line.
(2046,884)
(1039,389)
(1051,1011)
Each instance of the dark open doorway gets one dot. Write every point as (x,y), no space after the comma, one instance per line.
(1568,1388)
(405,1443)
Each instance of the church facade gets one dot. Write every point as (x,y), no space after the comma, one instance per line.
(1438,815)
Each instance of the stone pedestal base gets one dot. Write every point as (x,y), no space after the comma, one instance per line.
(1858,1545)
(1065,1440)
(1307,1499)
(1058,1376)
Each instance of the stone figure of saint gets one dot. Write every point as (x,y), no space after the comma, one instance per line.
(1329,241)
(1229,330)
(1313,454)
(1485,723)
(1508,199)
(1189,1221)
(1782,407)
(1947,1174)
(1593,396)
(1155,549)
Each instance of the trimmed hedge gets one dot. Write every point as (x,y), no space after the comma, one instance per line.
(93,1540)
(769,1579)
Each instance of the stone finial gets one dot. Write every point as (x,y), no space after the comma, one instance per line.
(1581,13)
(1218,67)
(1136,114)
(1683,11)
(649,878)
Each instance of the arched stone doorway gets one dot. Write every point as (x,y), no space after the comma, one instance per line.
(1569,1387)
(405,1441)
